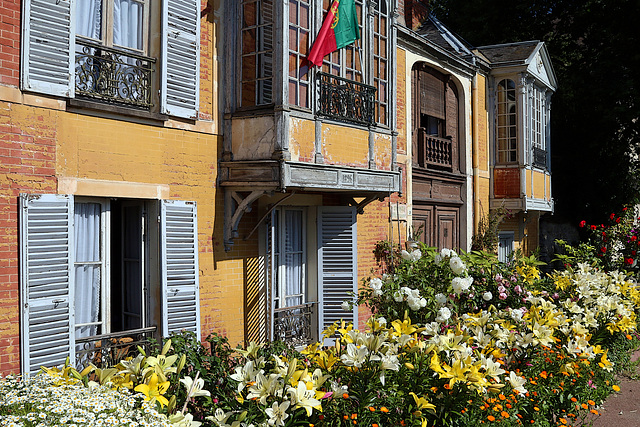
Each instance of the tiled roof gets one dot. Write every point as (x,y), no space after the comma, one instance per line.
(510,52)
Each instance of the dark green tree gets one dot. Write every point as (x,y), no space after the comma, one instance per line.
(594,46)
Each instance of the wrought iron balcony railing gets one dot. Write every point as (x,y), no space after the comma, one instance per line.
(434,151)
(539,157)
(346,100)
(113,75)
(293,325)
(108,349)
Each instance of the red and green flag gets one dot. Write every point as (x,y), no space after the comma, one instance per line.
(339,29)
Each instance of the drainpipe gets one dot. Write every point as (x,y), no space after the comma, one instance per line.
(475,153)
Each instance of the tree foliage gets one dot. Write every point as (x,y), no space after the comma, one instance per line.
(596,111)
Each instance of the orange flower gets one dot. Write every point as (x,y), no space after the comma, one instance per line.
(372,409)
(543,374)
(354,416)
(593,411)
(616,388)
(585,406)
(502,396)
(384,409)
(345,395)
(563,420)
(574,400)
(491,418)
(504,414)
(374,425)
(591,402)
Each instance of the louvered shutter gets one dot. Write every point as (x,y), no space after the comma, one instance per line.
(337,263)
(180,273)
(46,280)
(48,34)
(180,58)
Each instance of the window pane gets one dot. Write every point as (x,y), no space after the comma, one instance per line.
(89,18)
(128,23)
(87,267)
(249,14)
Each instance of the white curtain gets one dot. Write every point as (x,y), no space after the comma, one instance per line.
(87,268)
(88,18)
(293,257)
(127,23)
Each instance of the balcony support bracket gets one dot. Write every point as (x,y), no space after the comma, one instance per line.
(236,203)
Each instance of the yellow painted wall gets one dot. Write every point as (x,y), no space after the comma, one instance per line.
(103,149)
(538,185)
(480,154)
(382,151)
(343,145)
(302,134)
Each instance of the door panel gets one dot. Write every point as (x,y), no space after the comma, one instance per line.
(448,228)
(423,220)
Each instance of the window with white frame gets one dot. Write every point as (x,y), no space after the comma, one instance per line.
(114,23)
(99,49)
(287,243)
(86,273)
(110,266)
(302,301)
(537,118)
(506,122)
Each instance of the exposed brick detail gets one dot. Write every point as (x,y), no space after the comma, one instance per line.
(9,42)
(27,165)
(415,12)
(506,183)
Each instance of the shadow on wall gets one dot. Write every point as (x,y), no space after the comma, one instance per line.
(552,229)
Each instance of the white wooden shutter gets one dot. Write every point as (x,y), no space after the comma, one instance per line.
(48,40)
(180,58)
(180,273)
(46,280)
(337,263)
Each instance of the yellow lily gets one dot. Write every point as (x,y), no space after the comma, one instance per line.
(154,390)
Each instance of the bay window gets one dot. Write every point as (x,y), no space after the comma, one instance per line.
(507,128)
(356,75)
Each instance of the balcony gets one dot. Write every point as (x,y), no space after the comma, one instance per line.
(539,158)
(113,75)
(293,325)
(346,100)
(434,152)
(107,350)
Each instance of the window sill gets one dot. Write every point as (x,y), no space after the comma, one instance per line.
(87,106)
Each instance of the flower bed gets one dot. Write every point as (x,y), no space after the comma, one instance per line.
(454,340)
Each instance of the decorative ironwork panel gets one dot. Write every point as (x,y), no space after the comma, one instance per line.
(108,349)
(539,157)
(292,325)
(434,151)
(346,100)
(113,75)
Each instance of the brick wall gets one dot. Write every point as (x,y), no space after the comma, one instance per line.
(10,42)
(415,12)
(27,164)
